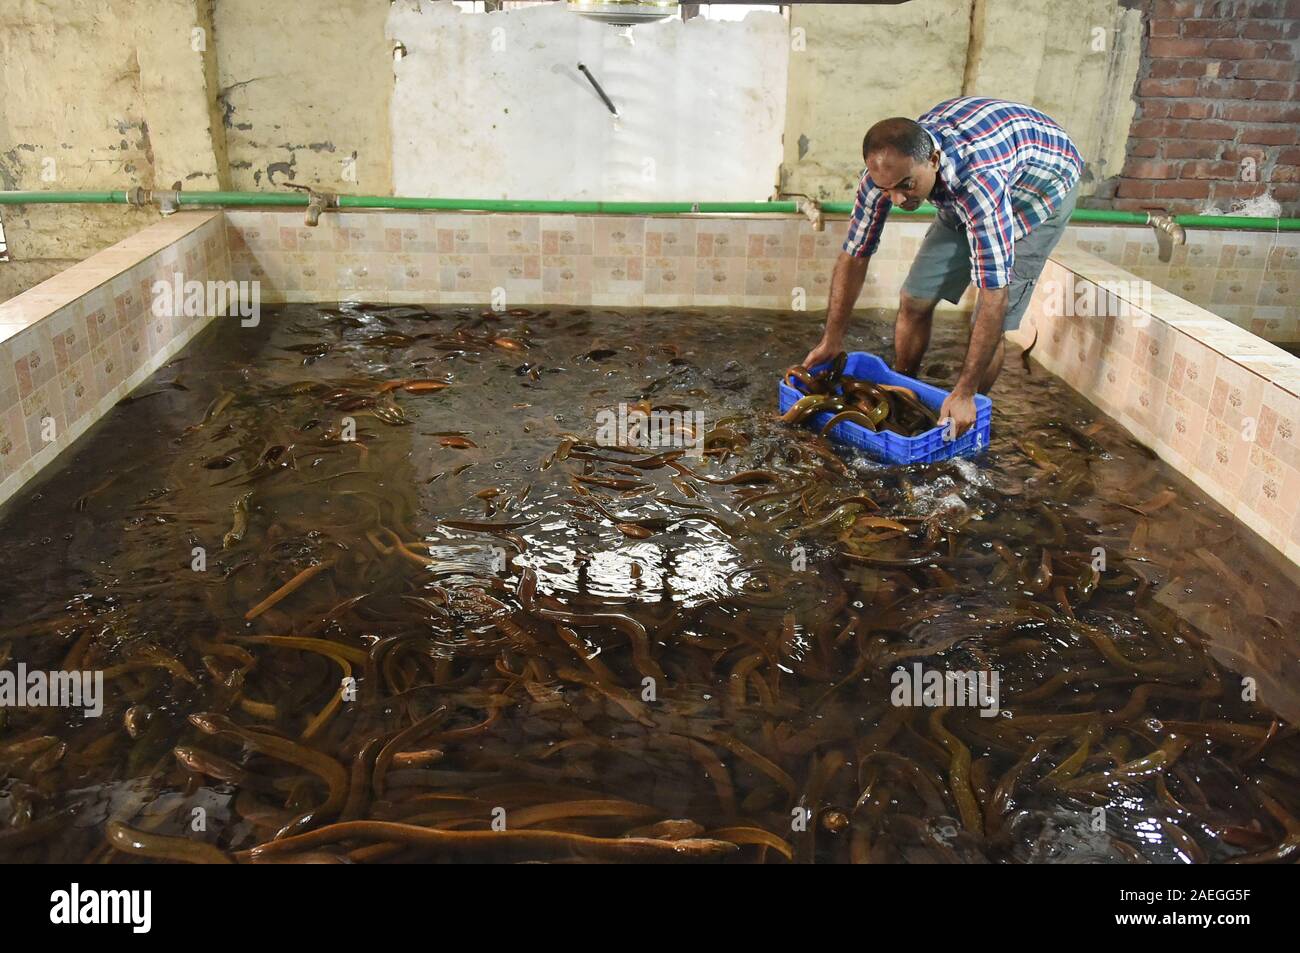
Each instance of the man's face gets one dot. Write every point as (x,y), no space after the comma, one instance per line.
(907,181)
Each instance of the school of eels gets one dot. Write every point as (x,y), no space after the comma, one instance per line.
(871,405)
(365,586)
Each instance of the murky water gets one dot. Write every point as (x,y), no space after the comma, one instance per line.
(467,630)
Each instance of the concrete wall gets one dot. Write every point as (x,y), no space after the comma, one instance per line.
(850,66)
(1077,60)
(249,95)
(215,94)
(303,90)
(74,114)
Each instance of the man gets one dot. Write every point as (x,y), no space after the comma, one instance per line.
(1004,179)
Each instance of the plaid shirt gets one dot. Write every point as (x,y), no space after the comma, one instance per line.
(1003,169)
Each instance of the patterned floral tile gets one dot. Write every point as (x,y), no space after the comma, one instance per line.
(770,277)
(568,235)
(514,235)
(619,236)
(567,275)
(611,274)
(670,238)
(772,239)
(719,276)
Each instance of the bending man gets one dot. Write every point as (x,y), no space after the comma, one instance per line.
(1004,178)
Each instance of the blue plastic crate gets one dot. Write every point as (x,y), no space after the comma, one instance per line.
(888,446)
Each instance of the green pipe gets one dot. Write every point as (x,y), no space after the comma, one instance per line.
(301,199)
(1239,222)
(233,199)
(63,198)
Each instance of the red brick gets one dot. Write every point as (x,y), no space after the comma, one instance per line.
(1276,92)
(1280,51)
(1236,155)
(1155,108)
(1165,47)
(1164,69)
(1132,205)
(1228,88)
(1265,9)
(1154,128)
(1190,149)
(1190,109)
(1209,28)
(1237,190)
(1288,157)
(1168,87)
(1285,193)
(1208,129)
(1284,173)
(1164,27)
(1210,170)
(1259,112)
(1147,169)
(1171,69)
(1263,69)
(1143,148)
(1135,189)
(1264,30)
(1182,190)
(1268,135)
(1236,49)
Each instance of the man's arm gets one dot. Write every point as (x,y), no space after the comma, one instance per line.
(984,337)
(986,203)
(865,226)
(846,285)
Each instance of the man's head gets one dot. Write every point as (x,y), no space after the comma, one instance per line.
(901,160)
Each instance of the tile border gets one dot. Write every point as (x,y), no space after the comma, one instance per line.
(1217,403)
(74,345)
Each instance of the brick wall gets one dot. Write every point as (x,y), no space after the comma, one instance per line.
(1218,114)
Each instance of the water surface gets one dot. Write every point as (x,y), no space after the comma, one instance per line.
(650,656)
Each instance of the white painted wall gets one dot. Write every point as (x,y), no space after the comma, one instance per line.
(493,106)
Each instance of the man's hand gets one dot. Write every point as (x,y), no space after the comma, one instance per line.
(824,352)
(846,284)
(960,409)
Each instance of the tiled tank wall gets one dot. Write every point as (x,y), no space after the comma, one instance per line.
(759,262)
(1250,278)
(1218,403)
(74,345)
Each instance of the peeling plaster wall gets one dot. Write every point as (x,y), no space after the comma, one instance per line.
(173,45)
(109,94)
(862,64)
(304,90)
(495,107)
(858,65)
(243,94)
(71,117)
(1077,60)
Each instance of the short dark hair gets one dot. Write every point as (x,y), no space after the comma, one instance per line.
(905,136)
